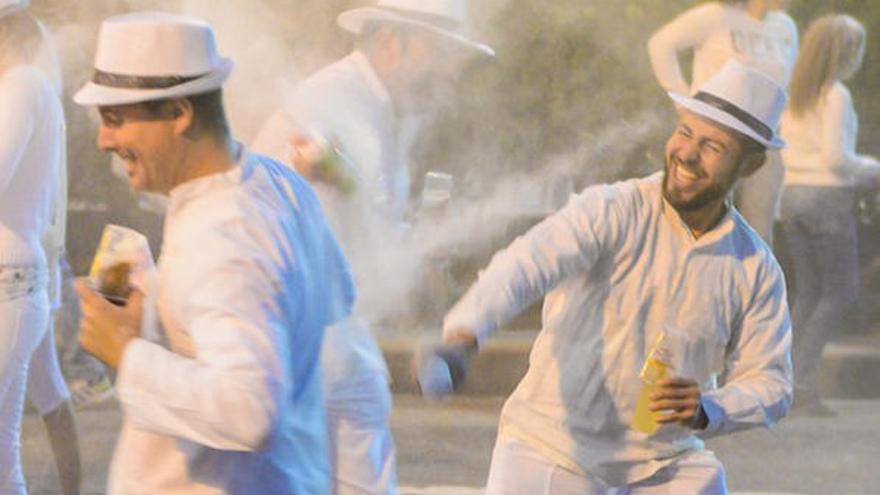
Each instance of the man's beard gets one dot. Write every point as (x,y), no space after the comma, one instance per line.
(716,191)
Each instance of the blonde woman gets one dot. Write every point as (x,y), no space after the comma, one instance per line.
(757,33)
(821,169)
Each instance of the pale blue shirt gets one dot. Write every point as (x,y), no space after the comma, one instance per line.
(249,275)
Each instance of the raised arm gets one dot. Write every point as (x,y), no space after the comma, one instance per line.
(564,244)
(687,31)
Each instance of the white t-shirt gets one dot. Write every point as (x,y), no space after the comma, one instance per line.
(718,33)
(821,147)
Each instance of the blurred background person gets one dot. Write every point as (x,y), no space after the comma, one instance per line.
(349,129)
(47,390)
(31,149)
(757,33)
(818,216)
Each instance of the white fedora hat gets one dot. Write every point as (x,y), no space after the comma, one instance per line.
(148,56)
(445,17)
(741,99)
(12,6)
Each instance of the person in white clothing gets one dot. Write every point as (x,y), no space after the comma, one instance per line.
(47,390)
(757,33)
(818,202)
(620,265)
(31,137)
(368,107)
(227,399)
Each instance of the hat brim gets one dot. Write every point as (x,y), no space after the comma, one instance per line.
(97,95)
(725,119)
(353,21)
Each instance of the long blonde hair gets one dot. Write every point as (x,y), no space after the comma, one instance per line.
(832,51)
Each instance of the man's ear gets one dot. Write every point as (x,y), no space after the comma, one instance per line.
(751,163)
(183,114)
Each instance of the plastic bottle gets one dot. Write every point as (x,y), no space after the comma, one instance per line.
(334,165)
(656,368)
(441,369)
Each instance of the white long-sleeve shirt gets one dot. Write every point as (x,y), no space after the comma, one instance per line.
(821,148)
(616,265)
(249,275)
(718,33)
(31,130)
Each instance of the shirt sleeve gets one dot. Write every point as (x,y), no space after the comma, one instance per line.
(568,242)
(758,386)
(18,113)
(229,394)
(792,53)
(687,31)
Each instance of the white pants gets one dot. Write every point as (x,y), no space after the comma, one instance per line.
(23,324)
(358,400)
(46,388)
(757,197)
(518,469)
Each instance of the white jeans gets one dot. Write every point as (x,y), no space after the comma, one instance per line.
(23,324)
(518,469)
(46,388)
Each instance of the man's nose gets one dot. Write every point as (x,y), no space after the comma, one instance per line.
(689,152)
(106,141)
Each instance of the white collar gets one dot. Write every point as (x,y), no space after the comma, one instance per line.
(182,193)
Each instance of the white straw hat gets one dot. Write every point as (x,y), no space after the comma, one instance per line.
(742,99)
(148,56)
(12,6)
(445,17)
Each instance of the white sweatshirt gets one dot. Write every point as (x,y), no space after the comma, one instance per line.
(821,147)
(31,129)
(718,33)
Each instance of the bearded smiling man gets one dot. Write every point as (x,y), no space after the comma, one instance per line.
(622,265)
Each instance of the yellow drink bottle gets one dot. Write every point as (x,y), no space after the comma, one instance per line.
(656,368)
(644,419)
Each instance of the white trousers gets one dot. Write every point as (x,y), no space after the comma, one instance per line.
(518,469)
(46,388)
(24,322)
(358,400)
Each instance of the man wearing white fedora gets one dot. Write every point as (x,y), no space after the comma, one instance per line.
(656,281)
(227,398)
(369,107)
